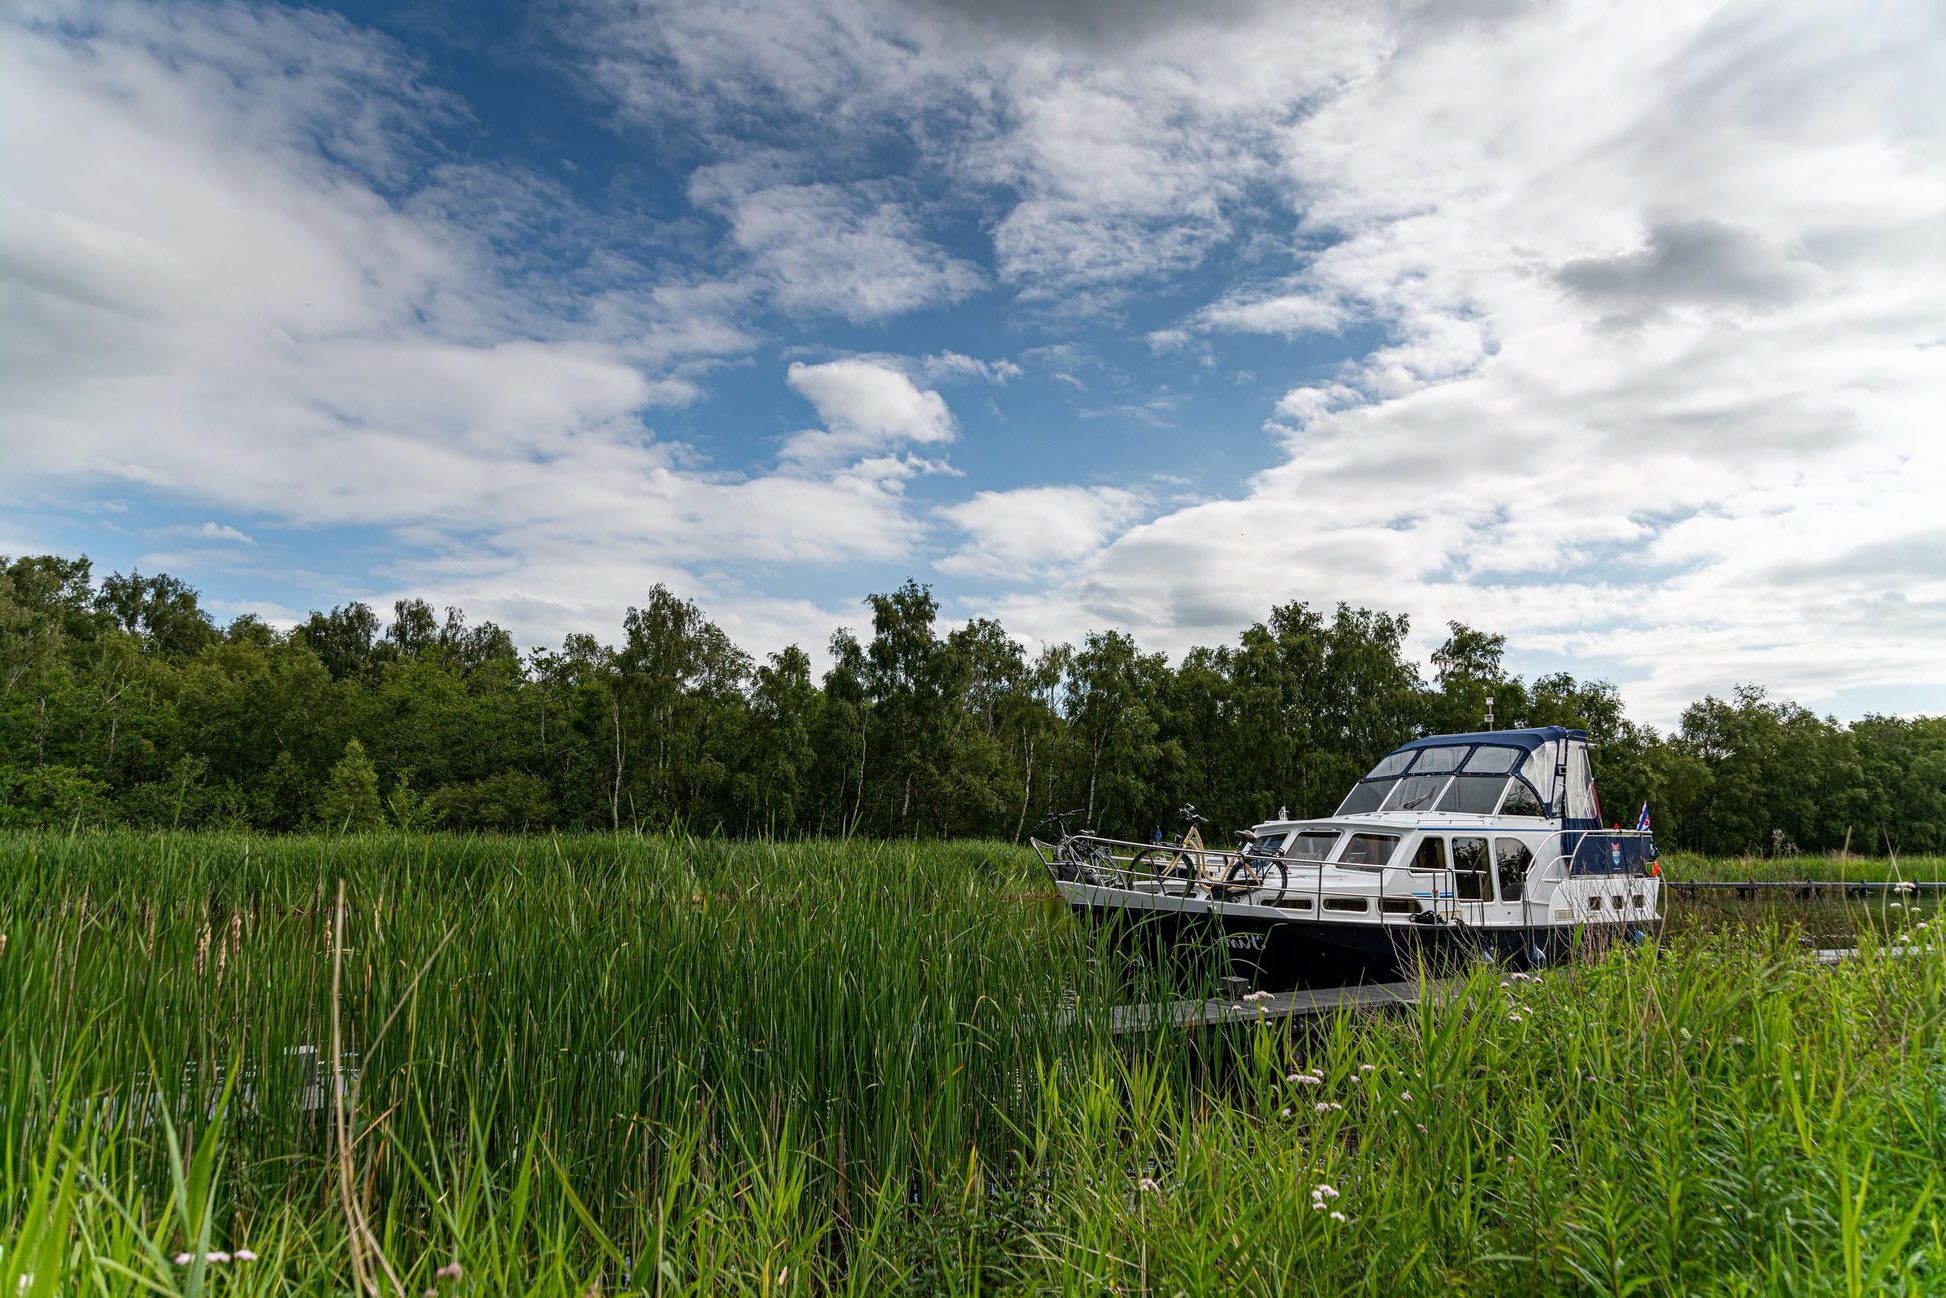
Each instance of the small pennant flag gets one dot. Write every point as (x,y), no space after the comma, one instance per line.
(1642,825)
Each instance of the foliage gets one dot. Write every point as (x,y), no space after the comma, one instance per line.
(350,801)
(577,1064)
(121,704)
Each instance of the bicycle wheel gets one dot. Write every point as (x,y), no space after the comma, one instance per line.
(1165,865)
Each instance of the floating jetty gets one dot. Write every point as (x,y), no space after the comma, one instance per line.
(1806,889)
(1316,1002)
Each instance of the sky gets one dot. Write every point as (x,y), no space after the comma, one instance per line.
(1619,329)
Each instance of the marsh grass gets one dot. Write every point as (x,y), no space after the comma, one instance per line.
(582,1064)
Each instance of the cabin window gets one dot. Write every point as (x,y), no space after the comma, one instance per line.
(1415,793)
(1491,760)
(1470,869)
(1474,795)
(1637,902)
(1312,845)
(1365,797)
(1293,903)
(1594,901)
(1369,849)
(1391,764)
(1346,903)
(1434,760)
(1512,859)
(1521,801)
(1398,906)
(1431,854)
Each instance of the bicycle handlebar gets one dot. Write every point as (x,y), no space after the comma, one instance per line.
(1059,816)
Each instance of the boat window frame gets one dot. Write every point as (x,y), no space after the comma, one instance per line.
(1515,756)
(1520,781)
(1499,794)
(1483,873)
(1353,836)
(1427,803)
(1335,835)
(1501,871)
(1419,763)
(1388,781)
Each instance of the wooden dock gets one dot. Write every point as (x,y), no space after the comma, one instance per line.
(1258,1007)
(1806,889)
(1315,1002)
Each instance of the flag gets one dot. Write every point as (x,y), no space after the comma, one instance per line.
(1642,822)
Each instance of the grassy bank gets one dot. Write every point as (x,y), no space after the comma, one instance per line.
(708,1067)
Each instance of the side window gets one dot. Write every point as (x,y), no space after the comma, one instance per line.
(1312,845)
(1431,855)
(1369,849)
(1521,801)
(1470,869)
(1512,860)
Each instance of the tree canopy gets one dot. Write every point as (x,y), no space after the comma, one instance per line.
(122,702)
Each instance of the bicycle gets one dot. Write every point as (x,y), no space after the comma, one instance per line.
(1184,861)
(1256,867)
(1078,857)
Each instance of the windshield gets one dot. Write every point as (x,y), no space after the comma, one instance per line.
(1476,795)
(1415,793)
(1365,797)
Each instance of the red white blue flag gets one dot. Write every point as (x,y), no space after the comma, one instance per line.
(1642,823)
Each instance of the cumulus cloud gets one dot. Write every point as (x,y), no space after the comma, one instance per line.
(867,405)
(824,249)
(1643,307)
(1692,502)
(1017,534)
(222,532)
(1696,262)
(218,286)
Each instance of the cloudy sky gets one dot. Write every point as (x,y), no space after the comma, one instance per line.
(1618,328)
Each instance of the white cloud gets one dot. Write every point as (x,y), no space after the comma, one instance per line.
(221,532)
(955,365)
(867,405)
(1663,376)
(853,251)
(201,302)
(1018,534)
(1657,293)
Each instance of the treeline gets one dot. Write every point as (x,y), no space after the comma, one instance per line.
(121,702)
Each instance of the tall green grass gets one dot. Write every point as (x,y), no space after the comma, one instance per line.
(694,1067)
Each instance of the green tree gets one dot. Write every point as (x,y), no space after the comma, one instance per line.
(350,798)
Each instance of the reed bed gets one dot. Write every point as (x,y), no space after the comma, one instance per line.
(594,1064)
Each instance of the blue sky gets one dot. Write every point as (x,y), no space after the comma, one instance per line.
(1616,328)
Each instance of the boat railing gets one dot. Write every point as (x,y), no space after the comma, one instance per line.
(1211,873)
